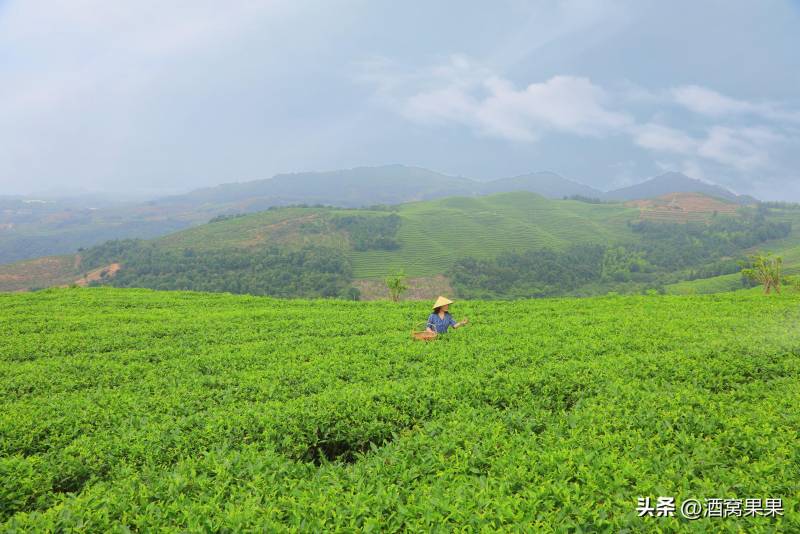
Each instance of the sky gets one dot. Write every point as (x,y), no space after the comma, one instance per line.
(150,97)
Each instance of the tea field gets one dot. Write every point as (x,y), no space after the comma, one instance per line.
(135,410)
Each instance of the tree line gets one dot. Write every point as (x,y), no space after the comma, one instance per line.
(308,272)
(664,253)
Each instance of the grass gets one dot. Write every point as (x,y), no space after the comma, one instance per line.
(435,234)
(188,412)
(716,284)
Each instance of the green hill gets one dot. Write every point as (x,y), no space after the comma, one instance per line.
(435,234)
(504,245)
(143,411)
(432,235)
(787,248)
(34,227)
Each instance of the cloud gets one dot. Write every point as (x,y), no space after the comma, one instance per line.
(744,149)
(92,88)
(565,104)
(663,139)
(709,102)
(463,93)
(94,47)
(194,92)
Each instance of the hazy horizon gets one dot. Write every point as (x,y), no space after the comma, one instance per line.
(146,99)
(143,196)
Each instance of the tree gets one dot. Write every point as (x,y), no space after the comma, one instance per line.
(352,293)
(766,270)
(396,283)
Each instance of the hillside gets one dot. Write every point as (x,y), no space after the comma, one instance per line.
(431,236)
(510,245)
(170,411)
(435,234)
(35,227)
(547,184)
(683,207)
(674,182)
(31,227)
(787,248)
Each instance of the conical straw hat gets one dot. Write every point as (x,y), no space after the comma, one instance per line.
(441,301)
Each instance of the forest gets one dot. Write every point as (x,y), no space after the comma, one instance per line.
(277,271)
(664,254)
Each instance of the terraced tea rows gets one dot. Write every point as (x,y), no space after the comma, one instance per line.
(139,410)
(435,234)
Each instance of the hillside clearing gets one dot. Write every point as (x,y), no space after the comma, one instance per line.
(683,207)
(39,273)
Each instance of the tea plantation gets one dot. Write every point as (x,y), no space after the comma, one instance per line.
(134,410)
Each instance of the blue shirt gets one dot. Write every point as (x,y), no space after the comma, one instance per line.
(439,325)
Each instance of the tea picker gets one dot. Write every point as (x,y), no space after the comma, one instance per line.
(438,322)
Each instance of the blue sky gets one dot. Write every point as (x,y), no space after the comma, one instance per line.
(157,97)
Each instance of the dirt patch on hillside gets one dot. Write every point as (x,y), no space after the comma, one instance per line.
(682,207)
(99,274)
(279,231)
(422,288)
(37,273)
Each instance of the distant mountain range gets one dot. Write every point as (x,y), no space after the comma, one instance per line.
(32,227)
(361,186)
(547,184)
(395,184)
(675,182)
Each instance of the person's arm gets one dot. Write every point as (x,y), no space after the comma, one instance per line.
(429,326)
(461,323)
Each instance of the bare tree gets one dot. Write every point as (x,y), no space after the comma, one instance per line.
(396,284)
(766,270)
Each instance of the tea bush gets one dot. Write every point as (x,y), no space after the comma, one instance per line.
(135,410)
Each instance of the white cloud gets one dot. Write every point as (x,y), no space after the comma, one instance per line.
(701,100)
(663,139)
(744,149)
(563,103)
(461,92)
(694,169)
(709,102)
(468,94)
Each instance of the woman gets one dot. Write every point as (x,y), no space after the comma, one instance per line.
(440,320)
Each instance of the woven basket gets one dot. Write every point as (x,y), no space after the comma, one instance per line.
(420,332)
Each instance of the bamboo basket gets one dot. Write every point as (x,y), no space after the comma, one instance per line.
(420,332)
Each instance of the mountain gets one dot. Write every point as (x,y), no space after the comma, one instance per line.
(366,186)
(547,184)
(34,227)
(675,182)
(361,186)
